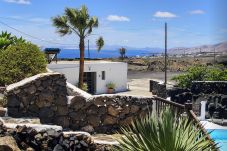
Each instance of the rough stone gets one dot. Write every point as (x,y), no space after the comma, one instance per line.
(126,121)
(46,115)
(78,102)
(2,111)
(61,100)
(102,110)
(125,110)
(46,96)
(14,112)
(62,120)
(88,128)
(62,110)
(8,143)
(113,111)
(134,108)
(110,120)
(94,120)
(99,101)
(12,101)
(77,115)
(92,109)
(31,89)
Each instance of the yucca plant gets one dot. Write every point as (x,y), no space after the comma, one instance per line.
(164,133)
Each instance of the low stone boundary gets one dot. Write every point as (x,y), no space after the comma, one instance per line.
(158,88)
(208,87)
(43,96)
(27,138)
(107,113)
(48,97)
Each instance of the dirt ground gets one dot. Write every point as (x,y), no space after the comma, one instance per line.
(138,81)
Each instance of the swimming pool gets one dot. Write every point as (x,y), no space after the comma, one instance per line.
(220,136)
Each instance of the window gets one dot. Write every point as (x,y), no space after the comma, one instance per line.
(103,75)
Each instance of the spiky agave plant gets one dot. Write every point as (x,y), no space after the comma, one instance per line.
(166,133)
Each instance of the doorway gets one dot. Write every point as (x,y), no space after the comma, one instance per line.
(90,80)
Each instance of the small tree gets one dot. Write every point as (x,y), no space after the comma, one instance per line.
(122,52)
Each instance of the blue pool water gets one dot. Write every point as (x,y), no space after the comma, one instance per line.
(220,137)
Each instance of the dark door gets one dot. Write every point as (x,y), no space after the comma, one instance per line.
(90,80)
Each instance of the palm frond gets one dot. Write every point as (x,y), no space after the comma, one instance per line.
(60,22)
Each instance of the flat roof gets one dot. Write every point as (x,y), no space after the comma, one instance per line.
(87,62)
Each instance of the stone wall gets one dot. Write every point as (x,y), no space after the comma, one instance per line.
(43,96)
(214,92)
(158,88)
(106,113)
(50,98)
(207,87)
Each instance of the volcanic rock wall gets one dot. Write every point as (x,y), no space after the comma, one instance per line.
(50,98)
(43,96)
(106,113)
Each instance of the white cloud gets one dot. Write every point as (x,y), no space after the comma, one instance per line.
(161,14)
(25,2)
(117,18)
(197,12)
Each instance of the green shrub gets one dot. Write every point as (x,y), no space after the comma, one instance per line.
(201,73)
(20,61)
(111,85)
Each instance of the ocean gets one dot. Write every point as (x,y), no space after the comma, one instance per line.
(72,53)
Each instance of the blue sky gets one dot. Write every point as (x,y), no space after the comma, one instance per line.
(134,23)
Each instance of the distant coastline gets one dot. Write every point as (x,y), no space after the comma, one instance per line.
(73,53)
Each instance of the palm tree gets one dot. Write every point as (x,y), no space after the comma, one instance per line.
(122,52)
(79,22)
(161,134)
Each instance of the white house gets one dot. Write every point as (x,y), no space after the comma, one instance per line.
(97,74)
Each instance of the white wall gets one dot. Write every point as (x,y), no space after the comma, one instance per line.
(116,72)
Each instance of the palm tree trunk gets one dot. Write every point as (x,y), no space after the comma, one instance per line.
(81,73)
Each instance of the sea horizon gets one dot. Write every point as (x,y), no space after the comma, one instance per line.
(75,53)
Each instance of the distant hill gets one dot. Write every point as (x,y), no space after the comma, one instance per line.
(220,47)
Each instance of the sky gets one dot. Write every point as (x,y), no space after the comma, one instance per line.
(132,23)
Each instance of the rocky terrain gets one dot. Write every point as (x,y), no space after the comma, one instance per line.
(156,64)
(219,48)
(29,139)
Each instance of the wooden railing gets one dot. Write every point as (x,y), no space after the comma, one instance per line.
(161,104)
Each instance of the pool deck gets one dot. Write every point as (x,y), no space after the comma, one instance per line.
(210,125)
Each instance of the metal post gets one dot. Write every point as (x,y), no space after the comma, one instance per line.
(214,56)
(88,50)
(165,53)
